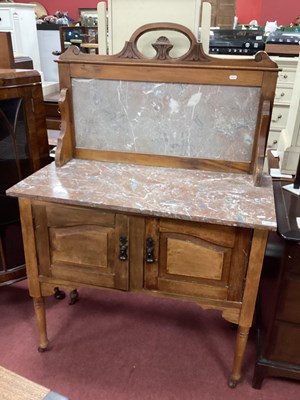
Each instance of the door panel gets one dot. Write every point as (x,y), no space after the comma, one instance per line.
(81,245)
(197,259)
(87,246)
(185,252)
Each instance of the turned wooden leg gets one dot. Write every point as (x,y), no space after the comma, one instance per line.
(241,342)
(39,308)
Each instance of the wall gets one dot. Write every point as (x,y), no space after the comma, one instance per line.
(282,11)
(246,11)
(262,10)
(64,5)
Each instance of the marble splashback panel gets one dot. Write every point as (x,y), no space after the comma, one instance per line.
(188,120)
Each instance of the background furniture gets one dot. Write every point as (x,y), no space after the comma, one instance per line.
(23,150)
(88,16)
(284,112)
(282,100)
(114,211)
(222,13)
(19,20)
(115,28)
(85,37)
(279,295)
(6,51)
(52,111)
(7,58)
(49,48)
(289,140)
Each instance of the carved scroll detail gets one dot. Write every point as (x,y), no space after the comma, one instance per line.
(128,51)
(196,53)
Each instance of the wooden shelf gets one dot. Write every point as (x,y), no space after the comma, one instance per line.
(282,49)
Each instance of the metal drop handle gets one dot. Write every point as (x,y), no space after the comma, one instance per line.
(123,244)
(149,250)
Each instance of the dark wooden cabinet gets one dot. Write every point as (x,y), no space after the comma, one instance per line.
(23,150)
(278,307)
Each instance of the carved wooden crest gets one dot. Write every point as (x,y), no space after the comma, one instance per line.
(163,46)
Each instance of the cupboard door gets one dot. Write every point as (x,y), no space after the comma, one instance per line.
(77,244)
(196,259)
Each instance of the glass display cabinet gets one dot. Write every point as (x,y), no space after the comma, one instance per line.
(23,150)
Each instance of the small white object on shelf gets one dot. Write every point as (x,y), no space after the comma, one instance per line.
(291,189)
(276,173)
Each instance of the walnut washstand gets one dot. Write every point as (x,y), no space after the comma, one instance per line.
(157,185)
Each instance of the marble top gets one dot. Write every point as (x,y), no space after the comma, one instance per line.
(192,195)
